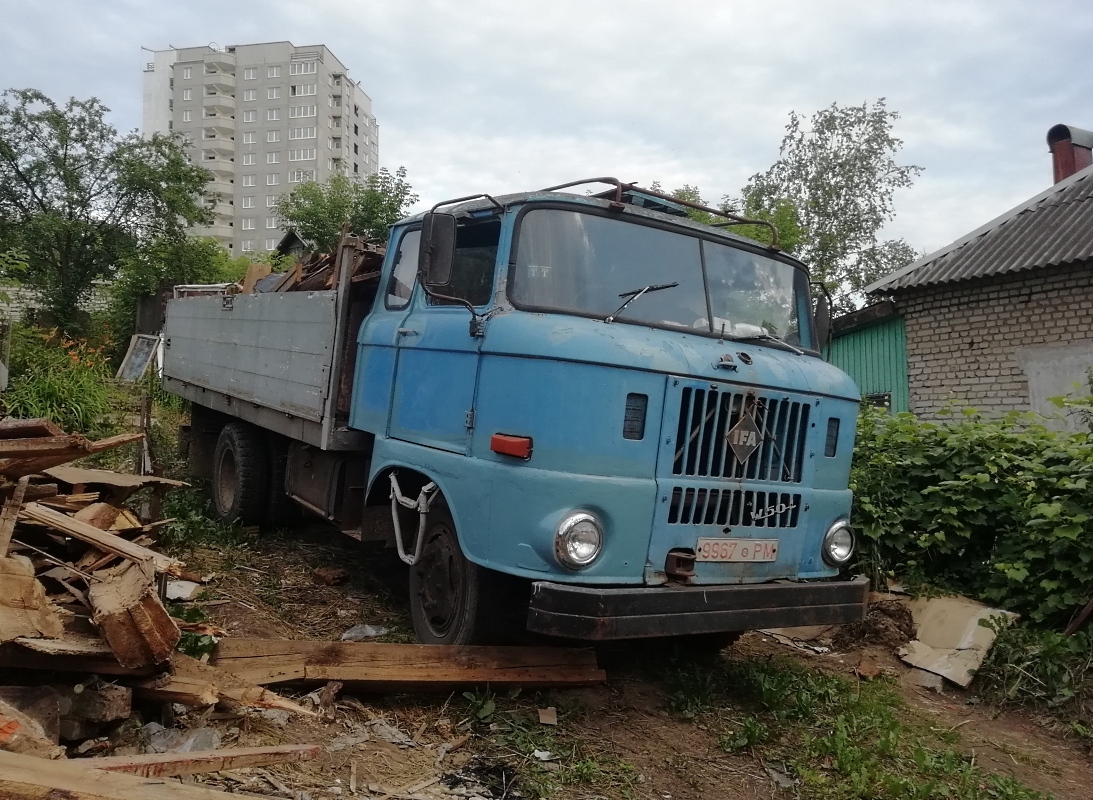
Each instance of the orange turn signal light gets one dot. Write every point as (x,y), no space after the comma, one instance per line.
(517,446)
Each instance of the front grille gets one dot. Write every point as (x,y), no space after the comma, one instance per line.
(733,507)
(707,415)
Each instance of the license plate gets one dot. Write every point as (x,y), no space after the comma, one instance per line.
(737,550)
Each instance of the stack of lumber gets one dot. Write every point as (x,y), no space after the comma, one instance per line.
(77,574)
(320,271)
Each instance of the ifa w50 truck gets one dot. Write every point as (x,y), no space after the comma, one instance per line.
(589,415)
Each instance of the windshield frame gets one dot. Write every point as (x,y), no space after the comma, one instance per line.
(668,226)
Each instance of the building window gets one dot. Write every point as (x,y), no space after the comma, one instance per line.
(250,116)
(355,151)
(271,222)
(248,245)
(302,89)
(302,133)
(273,72)
(187,94)
(250,94)
(302,111)
(303,68)
(273,136)
(248,202)
(356,132)
(356,167)
(301,175)
(250,73)
(187,116)
(271,244)
(271,200)
(273,93)
(248,224)
(273,114)
(273,158)
(272,179)
(248,159)
(249,137)
(304,154)
(248,180)
(187,73)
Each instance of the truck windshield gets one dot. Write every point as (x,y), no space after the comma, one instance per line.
(587,264)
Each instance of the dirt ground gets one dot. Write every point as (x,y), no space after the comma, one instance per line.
(618,740)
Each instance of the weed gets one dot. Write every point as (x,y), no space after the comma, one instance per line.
(481,706)
(749,734)
(194,523)
(840,739)
(195,645)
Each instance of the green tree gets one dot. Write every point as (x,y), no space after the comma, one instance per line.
(76,198)
(316,211)
(182,259)
(839,173)
(783,215)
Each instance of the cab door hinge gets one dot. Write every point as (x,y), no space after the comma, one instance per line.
(469,420)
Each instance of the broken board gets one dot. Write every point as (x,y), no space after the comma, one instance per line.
(406,666)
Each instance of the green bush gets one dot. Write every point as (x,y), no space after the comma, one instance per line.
(992,508)
(65,380)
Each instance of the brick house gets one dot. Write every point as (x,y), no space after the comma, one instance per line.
(1002,318)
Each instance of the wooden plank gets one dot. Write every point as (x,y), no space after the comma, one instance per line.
(11,513)
(29,778)
(41,446)
(25,611)
(11,428)
(102,540)
(398,666)
(17,467)
(163,765)
(130,616)
(63,655)
(103,477)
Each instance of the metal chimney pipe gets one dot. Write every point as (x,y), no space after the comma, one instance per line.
(1071,150)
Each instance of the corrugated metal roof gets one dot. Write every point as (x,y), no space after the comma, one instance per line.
(1055,227)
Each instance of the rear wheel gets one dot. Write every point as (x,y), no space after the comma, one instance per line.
(453,600)
(240,474)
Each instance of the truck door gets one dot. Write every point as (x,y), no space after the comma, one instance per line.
(437,369)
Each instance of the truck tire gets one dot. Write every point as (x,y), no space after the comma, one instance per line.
(452,600)
(240,474)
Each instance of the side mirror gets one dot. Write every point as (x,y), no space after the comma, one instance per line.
(437,249)
(822,317)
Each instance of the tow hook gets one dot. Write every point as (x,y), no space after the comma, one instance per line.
(422,503)
(680,565)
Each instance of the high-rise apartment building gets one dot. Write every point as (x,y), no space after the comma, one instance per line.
(262,118)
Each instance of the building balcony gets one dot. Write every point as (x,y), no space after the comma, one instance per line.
(222,104)
(219,126)
(223,82)
(221,188)
(220,60)
(220,230)
(219,167)
(221,145)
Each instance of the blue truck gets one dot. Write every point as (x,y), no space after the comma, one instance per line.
(586,415)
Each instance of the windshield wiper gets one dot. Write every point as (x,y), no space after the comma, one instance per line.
(764,337)
(634,295)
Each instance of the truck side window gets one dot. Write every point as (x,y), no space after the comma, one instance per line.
(473,267)
(404,273)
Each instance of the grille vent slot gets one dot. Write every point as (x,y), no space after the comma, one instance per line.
(706,415)
(733,507)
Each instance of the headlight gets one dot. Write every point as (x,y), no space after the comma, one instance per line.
(578,540)
(838,543)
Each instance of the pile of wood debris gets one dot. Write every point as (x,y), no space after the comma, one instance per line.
(86,639)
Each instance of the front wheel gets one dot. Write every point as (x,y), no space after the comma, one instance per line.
(452,600)
(240,474)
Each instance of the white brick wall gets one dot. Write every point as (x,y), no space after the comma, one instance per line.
(961,338)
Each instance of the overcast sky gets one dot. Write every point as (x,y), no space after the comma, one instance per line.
(488,95)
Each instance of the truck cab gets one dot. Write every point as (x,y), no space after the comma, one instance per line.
(592,417)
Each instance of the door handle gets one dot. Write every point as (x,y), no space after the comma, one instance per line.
(407,332)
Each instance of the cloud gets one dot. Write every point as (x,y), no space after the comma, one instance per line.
(485,95)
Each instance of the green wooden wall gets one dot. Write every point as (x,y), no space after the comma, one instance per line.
(876,358)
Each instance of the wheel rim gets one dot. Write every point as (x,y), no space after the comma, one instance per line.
(226,478)
(441,580)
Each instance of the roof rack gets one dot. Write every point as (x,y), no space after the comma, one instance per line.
(621,188)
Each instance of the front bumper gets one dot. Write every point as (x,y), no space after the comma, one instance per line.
(586,612)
